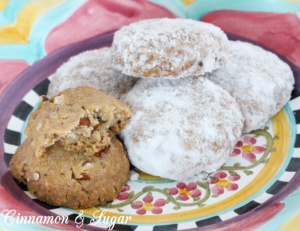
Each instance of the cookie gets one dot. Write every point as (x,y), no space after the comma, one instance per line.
(169,48)
(259,81)
(81,119)
(72,179)
(180,127)
(93,69)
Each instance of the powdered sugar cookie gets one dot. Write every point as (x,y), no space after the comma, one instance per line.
(259,81)
(93,69)
(180,127)
(169,48)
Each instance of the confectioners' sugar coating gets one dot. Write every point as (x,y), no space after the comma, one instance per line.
(93,69)
(169,48)
(180,127)
(259,81)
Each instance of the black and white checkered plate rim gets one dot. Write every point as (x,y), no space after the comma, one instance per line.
(12,140)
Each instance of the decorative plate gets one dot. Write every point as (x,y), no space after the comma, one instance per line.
(261,171)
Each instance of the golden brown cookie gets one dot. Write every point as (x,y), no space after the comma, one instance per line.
(81,119)
(72,179)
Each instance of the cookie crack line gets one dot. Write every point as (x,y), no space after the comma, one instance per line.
(86,124)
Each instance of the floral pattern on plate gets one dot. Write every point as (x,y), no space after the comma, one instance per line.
(249,154)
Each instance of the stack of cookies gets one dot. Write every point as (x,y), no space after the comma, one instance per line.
(198,93)
(182,123)
(192,93)
(71,156)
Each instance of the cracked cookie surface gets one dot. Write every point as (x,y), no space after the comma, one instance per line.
(81,119)
(72,179)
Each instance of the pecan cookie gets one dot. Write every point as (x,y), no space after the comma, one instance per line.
(260,82)
(80,119)
(72,179)
(169,48)
(180,127)
(91,68)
